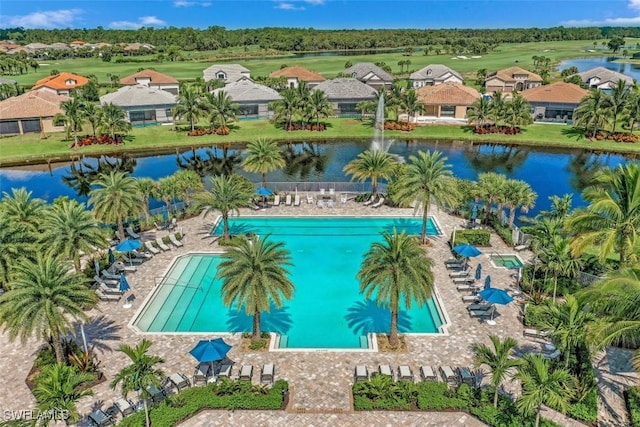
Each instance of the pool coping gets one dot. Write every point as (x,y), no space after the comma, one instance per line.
(509,255)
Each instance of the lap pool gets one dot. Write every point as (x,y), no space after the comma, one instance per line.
(327,309)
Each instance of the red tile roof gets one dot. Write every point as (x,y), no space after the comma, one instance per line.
(31,104)
(556,92)
(507,74)
(298,72)
(58,82)
(154,76)
(448,93)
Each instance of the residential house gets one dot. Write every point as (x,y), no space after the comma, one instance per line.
(370,74)
(449,100)
(554,102)
(345,93)
(30,112)
(434,74)
(61,84)
(510,79)
(228,73)
(152,78)
(603,78)
(252,99)
(144,105)
(296,74)
(77,43)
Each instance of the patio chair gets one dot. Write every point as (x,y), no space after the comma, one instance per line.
(287,200)
(246,373)
(534,333)
(225,371)
(448,375)
(109,297)
(179,380)
(332,191)
(132,233)
(267,374)
(202,373)
(141,255)
(309,199)
(120,266)
(107,282)
(479,306)
(107,290)
(161,244)
(483,313)
(125,407)
(453,261)
(343,199)
(459,274)
(110,276)
(521,247)
(296,200)
(151,248)
(99,418)
(473,299)
(161,226)
(321,204)
(467,377)
(463,280)
(133,260)
(385,370)
(370,201)
(361,373)
(467,288)
(379,203)
(174,240)
(276,200)
(330,204)
(405,373)
(428,374)
(157,395)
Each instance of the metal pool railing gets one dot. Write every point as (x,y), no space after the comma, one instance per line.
(316,187)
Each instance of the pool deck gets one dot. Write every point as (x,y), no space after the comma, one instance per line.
(320,381)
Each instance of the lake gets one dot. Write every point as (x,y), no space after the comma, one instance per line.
(584,64)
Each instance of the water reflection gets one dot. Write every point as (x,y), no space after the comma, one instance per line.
(211,161)
(583,167)
(303,159)
(82,173)
(496,158)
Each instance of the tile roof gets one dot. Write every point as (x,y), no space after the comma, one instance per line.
(138,95)
(4,81)
(31,104)
(605,75)
(447,93)
(246,90)
(363,69)
(507,74)
(298,72)
(560,92)
(347,88)
(433,71)
(58,82)
(154,76)
(234,72)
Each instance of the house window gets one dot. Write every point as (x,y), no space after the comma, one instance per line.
(221,76)
(429,72)
(448,111)
(248,110)
(9,127)
(347,107)
(30,125)
(70,82)
(142,116)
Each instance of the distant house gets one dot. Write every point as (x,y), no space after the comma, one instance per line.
(434,74)
(370,74)
(602,78)
(30,112)
(510,79)
(144,105)
(252,99)
(154,79)
(556,101)
(345,93)
(296,74)
(60,84)
(449,100)
(228,73)
(77,43)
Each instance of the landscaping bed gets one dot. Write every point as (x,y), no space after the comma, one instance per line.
(632,398)
(100,140)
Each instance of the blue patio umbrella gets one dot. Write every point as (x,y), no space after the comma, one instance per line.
(466,250)
(210,350)
(112,258)
(165,213)
(262,191)
(479,272)
(474,212)
(496,296)
(128,245)
(97,263)
(487,282)
(124,285)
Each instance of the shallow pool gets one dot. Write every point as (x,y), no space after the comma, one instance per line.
(507,261)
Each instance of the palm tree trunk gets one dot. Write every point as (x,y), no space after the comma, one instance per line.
(147,421)
(555,287)
(394,340)
(192,125)
(425,216)
(76,262)
(264,179)
(374,187)
(512,215)
(495,398)
(225,226)
(538,416)
(256,325)
(120,229)
(57,349)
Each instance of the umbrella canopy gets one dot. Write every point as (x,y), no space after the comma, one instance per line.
(479,272)
(474,212)
(262,191)
(165,214)
(210,350)
(496,296)
(128,245)
(124,285)
(467,250)
(112,258)
(487,282)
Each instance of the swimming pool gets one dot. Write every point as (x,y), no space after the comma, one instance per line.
(327,309)
(506,261)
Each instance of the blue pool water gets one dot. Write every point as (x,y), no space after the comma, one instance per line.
(327,309)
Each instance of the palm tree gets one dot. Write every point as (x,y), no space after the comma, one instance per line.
(632,110)
(43,299)
(318,106)
(558,260)
(147,187)
(17,243)
(542,384)
(518,194)
(592,112)
(113,119)
(58,389)
(396,270)
(517,112)
(228,193)
(93,114)
(189,106)
(114,198)
(187,183)
(285,108)
(498,106)
(69,229)
(499,359)
(491,189)
(411,104)
(72,109)
(140,374)
(373,165)
(22,209)
(255,277)
(618,101)
(263,156)
(303,95)
(167,190)
(426,179)
(612,219)
(480,112)
(222,109)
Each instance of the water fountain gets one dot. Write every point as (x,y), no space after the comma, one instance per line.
(378,142)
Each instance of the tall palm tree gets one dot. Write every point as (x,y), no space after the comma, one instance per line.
(222,109)
(498,106)
(147,187)
(612,219)
(303,95)
(187,183)
(93,114)
(228,193)
(255,277)
(373,165)
(318,106)
(411,104)
(396,270)
(263,156)
(618,101)
(69,229)
(189,106)
(285,108)
(518,194)
(113,120)
(17,243)
(426,179)
(22,209)
(140,374)
(167,190)
(480,112)
(517,112)
(558,260)
(114,198)
(499,359)
(542,384)
(43,299)
(632,110)
(58,389)
(592,112)
(72,109)
(491,189)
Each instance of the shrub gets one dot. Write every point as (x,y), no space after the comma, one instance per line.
(362,403)
(632,396)
(436,396)
(489,128)
(473,237)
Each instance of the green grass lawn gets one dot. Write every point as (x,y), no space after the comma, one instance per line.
(30,148)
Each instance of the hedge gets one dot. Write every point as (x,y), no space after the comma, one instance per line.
(473,237)
(632,396)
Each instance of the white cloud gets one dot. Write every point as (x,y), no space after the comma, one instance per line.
(288,6)
(321,2)
(143,21)
(186,3)
(293,4)
(151,21)
(634,4)
(61,18)
(620,22)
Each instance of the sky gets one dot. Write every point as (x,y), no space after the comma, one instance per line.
(320,14)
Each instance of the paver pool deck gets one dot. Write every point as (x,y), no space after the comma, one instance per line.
(320,380)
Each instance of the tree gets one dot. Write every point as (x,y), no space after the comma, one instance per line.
(373,165)
(518,193)
(167,190)
(187,183)
(411,104)
(189,106)
(58,389)
(222,109)
(592,112)
(69,229)
(491,189)
(147,187)
(426,179)
(480,112)
(227,194)
(93,114)
(615,44)
(140,374)
(498,106)
(632,110)
(17,242)
(481,78)
(559,261)
(255,277)
(263,156)
(517,112)
(499,359)
(72,109)
(285,108)
(617,102)
(22,209)
(318,106)
(113,119)
(114,198)
(396,271)
(43,299)
(542,384)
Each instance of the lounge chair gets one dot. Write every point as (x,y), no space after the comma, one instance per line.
(120,266)
(459,274)
(157,395)
(107,275)
(343,199)
(321,204)
(161,244)
(379,203)
(385,370)
(467,377)
(106,282)
(151,248)
(463,280)
(133,260)
(141,255)
(483,313)
(473,299)
(448,375)
(553,355)
(107,290)
(202,373)
(167,387)
(99,418)
(453,261)
(370,201)
(521,247)
(246,373)
(428,374)
(405,373)
(296,200)
(287,200)
(124,406)
(180,381)
(309,199)
(132,233)
(173,224)
(267,374)
(276,200)
(330,204)
(177,243)
(479,306)
(161,226)
(109,297)
(322,191)
(361,373)
(468,288)
(332,191)
(225,371)
(534,333)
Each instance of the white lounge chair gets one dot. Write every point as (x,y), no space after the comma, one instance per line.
(343,199)
(151,248)
(132,260)
(471,299)
(448,375)
(202,373)
(109,297)
(246,373)
(405,373)
(276,200)
(521,247)
(132,233)
(177,243)
(322,191)
(309,199)
(459,274)
(180,381)
(161,244)
(534,333)
(379,203)
(332,191)
(287,200)
(428,374)
(385,370)
(225,371)
(467,288)
(296,200)
(106,282)
(361,373)
(463,280)
(370,201)
(109,290)
(267,374)
(125,406)
(321,204)
(330,204)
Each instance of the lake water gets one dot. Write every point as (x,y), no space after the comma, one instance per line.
(584,64)
(548,171)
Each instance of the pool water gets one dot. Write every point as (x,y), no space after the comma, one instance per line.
(327,309)
(507,261)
